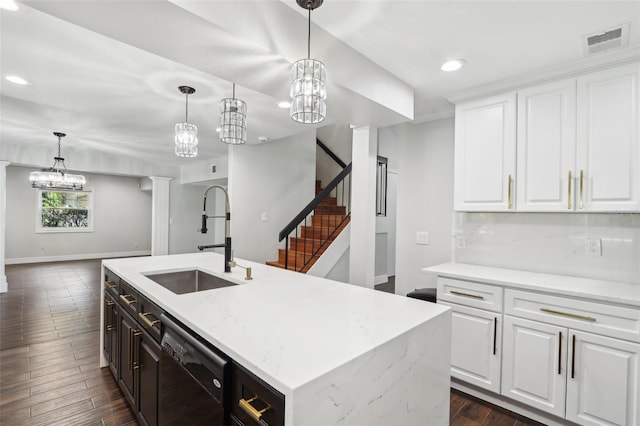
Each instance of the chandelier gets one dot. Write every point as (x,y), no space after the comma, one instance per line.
(308,80)
(186,133)
(57,177)
(233,120)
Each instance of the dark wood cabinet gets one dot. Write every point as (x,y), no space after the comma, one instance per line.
(148,378)
(128,332)
(253,401)
(110,332)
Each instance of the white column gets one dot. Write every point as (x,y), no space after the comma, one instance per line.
(363,207)
(3,223)
(160,216)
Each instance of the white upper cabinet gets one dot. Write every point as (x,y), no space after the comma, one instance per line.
(608,151)
(546,147)
(485,154)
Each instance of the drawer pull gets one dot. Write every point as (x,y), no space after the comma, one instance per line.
(251,410)
(143,317)
(509,204)
(110,284)
(495,335)
(473,296)
(560,352)
(569,194)
(567,314)
(128,299)
(573,357)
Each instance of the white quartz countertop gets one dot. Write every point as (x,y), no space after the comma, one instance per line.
(598,290)
(287,328)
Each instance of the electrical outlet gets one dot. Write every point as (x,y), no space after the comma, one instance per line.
(461,243)
(422,238)
(594,246)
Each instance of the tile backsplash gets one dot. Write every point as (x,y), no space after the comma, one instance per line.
(552,243)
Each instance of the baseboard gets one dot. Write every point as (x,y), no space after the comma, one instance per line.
(82,256)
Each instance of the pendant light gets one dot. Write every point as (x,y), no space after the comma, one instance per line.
(233,120)
(186,133)
(308,81)
(57,177)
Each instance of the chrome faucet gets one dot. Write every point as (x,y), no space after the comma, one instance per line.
(227,230)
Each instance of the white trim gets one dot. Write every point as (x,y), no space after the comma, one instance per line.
(381,279)
(82,256)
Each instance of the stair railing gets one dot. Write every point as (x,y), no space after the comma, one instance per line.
(338,188)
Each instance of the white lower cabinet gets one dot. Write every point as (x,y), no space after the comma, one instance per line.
(583,377)
(533,364)
(475,346)
(603,379)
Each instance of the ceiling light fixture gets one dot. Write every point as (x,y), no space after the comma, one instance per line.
(453,65)
(233,120)
(308,81)
(57,177)
(16,80)
(186,133)
(8,5)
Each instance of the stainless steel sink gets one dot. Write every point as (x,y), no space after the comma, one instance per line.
(183,282)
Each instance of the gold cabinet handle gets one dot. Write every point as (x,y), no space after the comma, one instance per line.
(128,299)
(254,413)
(105,315)
(473,296)
(110,284)
(568,314)
(569,194)
(581,188)
(509,193)
(143,317)
(133,333)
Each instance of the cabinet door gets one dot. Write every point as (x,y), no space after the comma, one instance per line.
(113,337)
(546,147)
(127,333)
(608,147)
(533,365)
(475,346)
(148,366)
(485,154)
(602,388)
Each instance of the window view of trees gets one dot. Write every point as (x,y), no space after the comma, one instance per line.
(64,209)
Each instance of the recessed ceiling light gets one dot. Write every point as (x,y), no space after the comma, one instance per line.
(8,5)
(17,80)
(453,65)
(284,104)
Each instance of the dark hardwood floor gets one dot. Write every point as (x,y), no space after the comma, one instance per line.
(49,355)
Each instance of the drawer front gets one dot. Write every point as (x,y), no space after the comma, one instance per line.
(254,402)
(598,318)
(128,298)
(111,282)
(470,293)
(149,317)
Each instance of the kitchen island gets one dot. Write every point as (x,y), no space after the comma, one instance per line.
(339,353)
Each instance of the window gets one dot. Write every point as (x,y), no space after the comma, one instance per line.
(381,187)
(64,211)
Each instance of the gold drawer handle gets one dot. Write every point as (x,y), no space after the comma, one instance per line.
(110,284)
(509,203)
(473,296)
(567,314)
(146,320)
(128,299)
(251,410)
(569,191)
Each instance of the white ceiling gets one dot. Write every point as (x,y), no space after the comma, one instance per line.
(107,72)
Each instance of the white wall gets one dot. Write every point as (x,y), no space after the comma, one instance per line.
(424,200)
(121,221)
(276,178)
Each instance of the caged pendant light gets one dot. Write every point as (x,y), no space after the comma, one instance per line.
(57,177)
(308,81)
(233,120)
(186,134)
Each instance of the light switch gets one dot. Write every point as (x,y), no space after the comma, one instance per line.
(263,216)
(422,237)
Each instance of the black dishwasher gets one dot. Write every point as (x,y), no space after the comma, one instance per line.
(192,379)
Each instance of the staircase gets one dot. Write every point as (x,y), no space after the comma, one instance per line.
(314,232)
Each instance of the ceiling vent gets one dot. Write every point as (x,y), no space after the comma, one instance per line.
(610,38)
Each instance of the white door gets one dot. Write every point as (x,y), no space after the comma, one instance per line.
(546,147)
(475,346)
(485,154)
(608,147)
(533,365)
(604,375)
